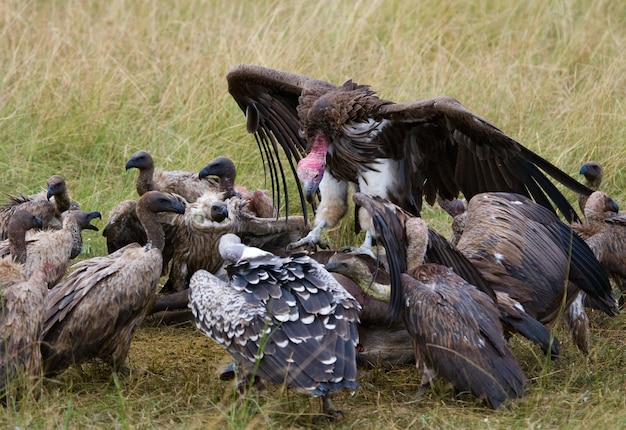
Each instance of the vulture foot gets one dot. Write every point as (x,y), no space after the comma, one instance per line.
(313,239)
(362,250)
(329,412)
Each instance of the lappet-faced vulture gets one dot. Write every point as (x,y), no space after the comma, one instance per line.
(284,320)
(455,328)
(95,311)
(403,152)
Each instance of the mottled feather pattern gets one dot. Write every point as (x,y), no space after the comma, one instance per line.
(295,318)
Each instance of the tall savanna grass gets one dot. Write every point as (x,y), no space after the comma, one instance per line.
(84,84)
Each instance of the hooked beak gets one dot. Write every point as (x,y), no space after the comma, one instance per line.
(219,212)
(93,215)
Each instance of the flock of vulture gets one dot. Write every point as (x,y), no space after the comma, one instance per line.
(520,256)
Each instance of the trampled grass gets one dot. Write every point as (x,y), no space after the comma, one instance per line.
(83,85)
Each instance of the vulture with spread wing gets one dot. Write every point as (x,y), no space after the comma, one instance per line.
(403,152)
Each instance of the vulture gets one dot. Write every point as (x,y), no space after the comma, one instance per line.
(22,308)
(47,205)
(193,238)
(51,250)
(455,328)
(593,173)
(285,320)
(123,226)
(527,253)
(394,223)
(604,230)
(259,202)
(403,152)
(186,184)
(96,309)
(12,263)
(194,242)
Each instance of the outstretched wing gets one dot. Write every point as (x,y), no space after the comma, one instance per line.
(270,98)
(446,149)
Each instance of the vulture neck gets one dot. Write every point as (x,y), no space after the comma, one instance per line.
(145,180)
(417,241)
(17,246)
(62,201)
(71,225)
(154,230)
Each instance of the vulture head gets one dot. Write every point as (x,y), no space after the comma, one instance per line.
(140,160)
(208,211)
(224,169)
(56,186)
(83,219)
(155,201)
(598,203)
(19,224)
(592,171)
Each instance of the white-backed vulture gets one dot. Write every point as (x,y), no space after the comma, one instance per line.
(604,230)
(185,184)
(52,250)
(95,311)
(593,173)
(260,203)
(398,151)
(455,328)
(393,222)
(284,320)
(22,308)
(525,251)
(12,262)
(47,205)
(194,239)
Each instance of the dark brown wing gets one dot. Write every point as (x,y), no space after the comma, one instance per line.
(270,99)
(447,149)
(459,330)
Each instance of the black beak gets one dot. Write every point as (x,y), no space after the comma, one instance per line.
(219,212)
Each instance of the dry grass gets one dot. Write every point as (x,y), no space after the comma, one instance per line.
(85,84)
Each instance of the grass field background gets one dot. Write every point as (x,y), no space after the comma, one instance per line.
(84,84)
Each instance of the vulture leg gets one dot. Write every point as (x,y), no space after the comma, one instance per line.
(328,409)
(577,322)
(428,375)
(312,239)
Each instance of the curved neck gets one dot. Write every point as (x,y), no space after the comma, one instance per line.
(154,230)
(145,181)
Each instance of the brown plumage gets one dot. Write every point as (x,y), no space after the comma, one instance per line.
(284,320)
(593,173)
(526,252)
(51,250)
(22,308)
(604,230)
(193,238)
(12,261)
(185,184)
(47,205)
(95,311)
(123,227)
(399,151)
(455,328)
(260,203)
